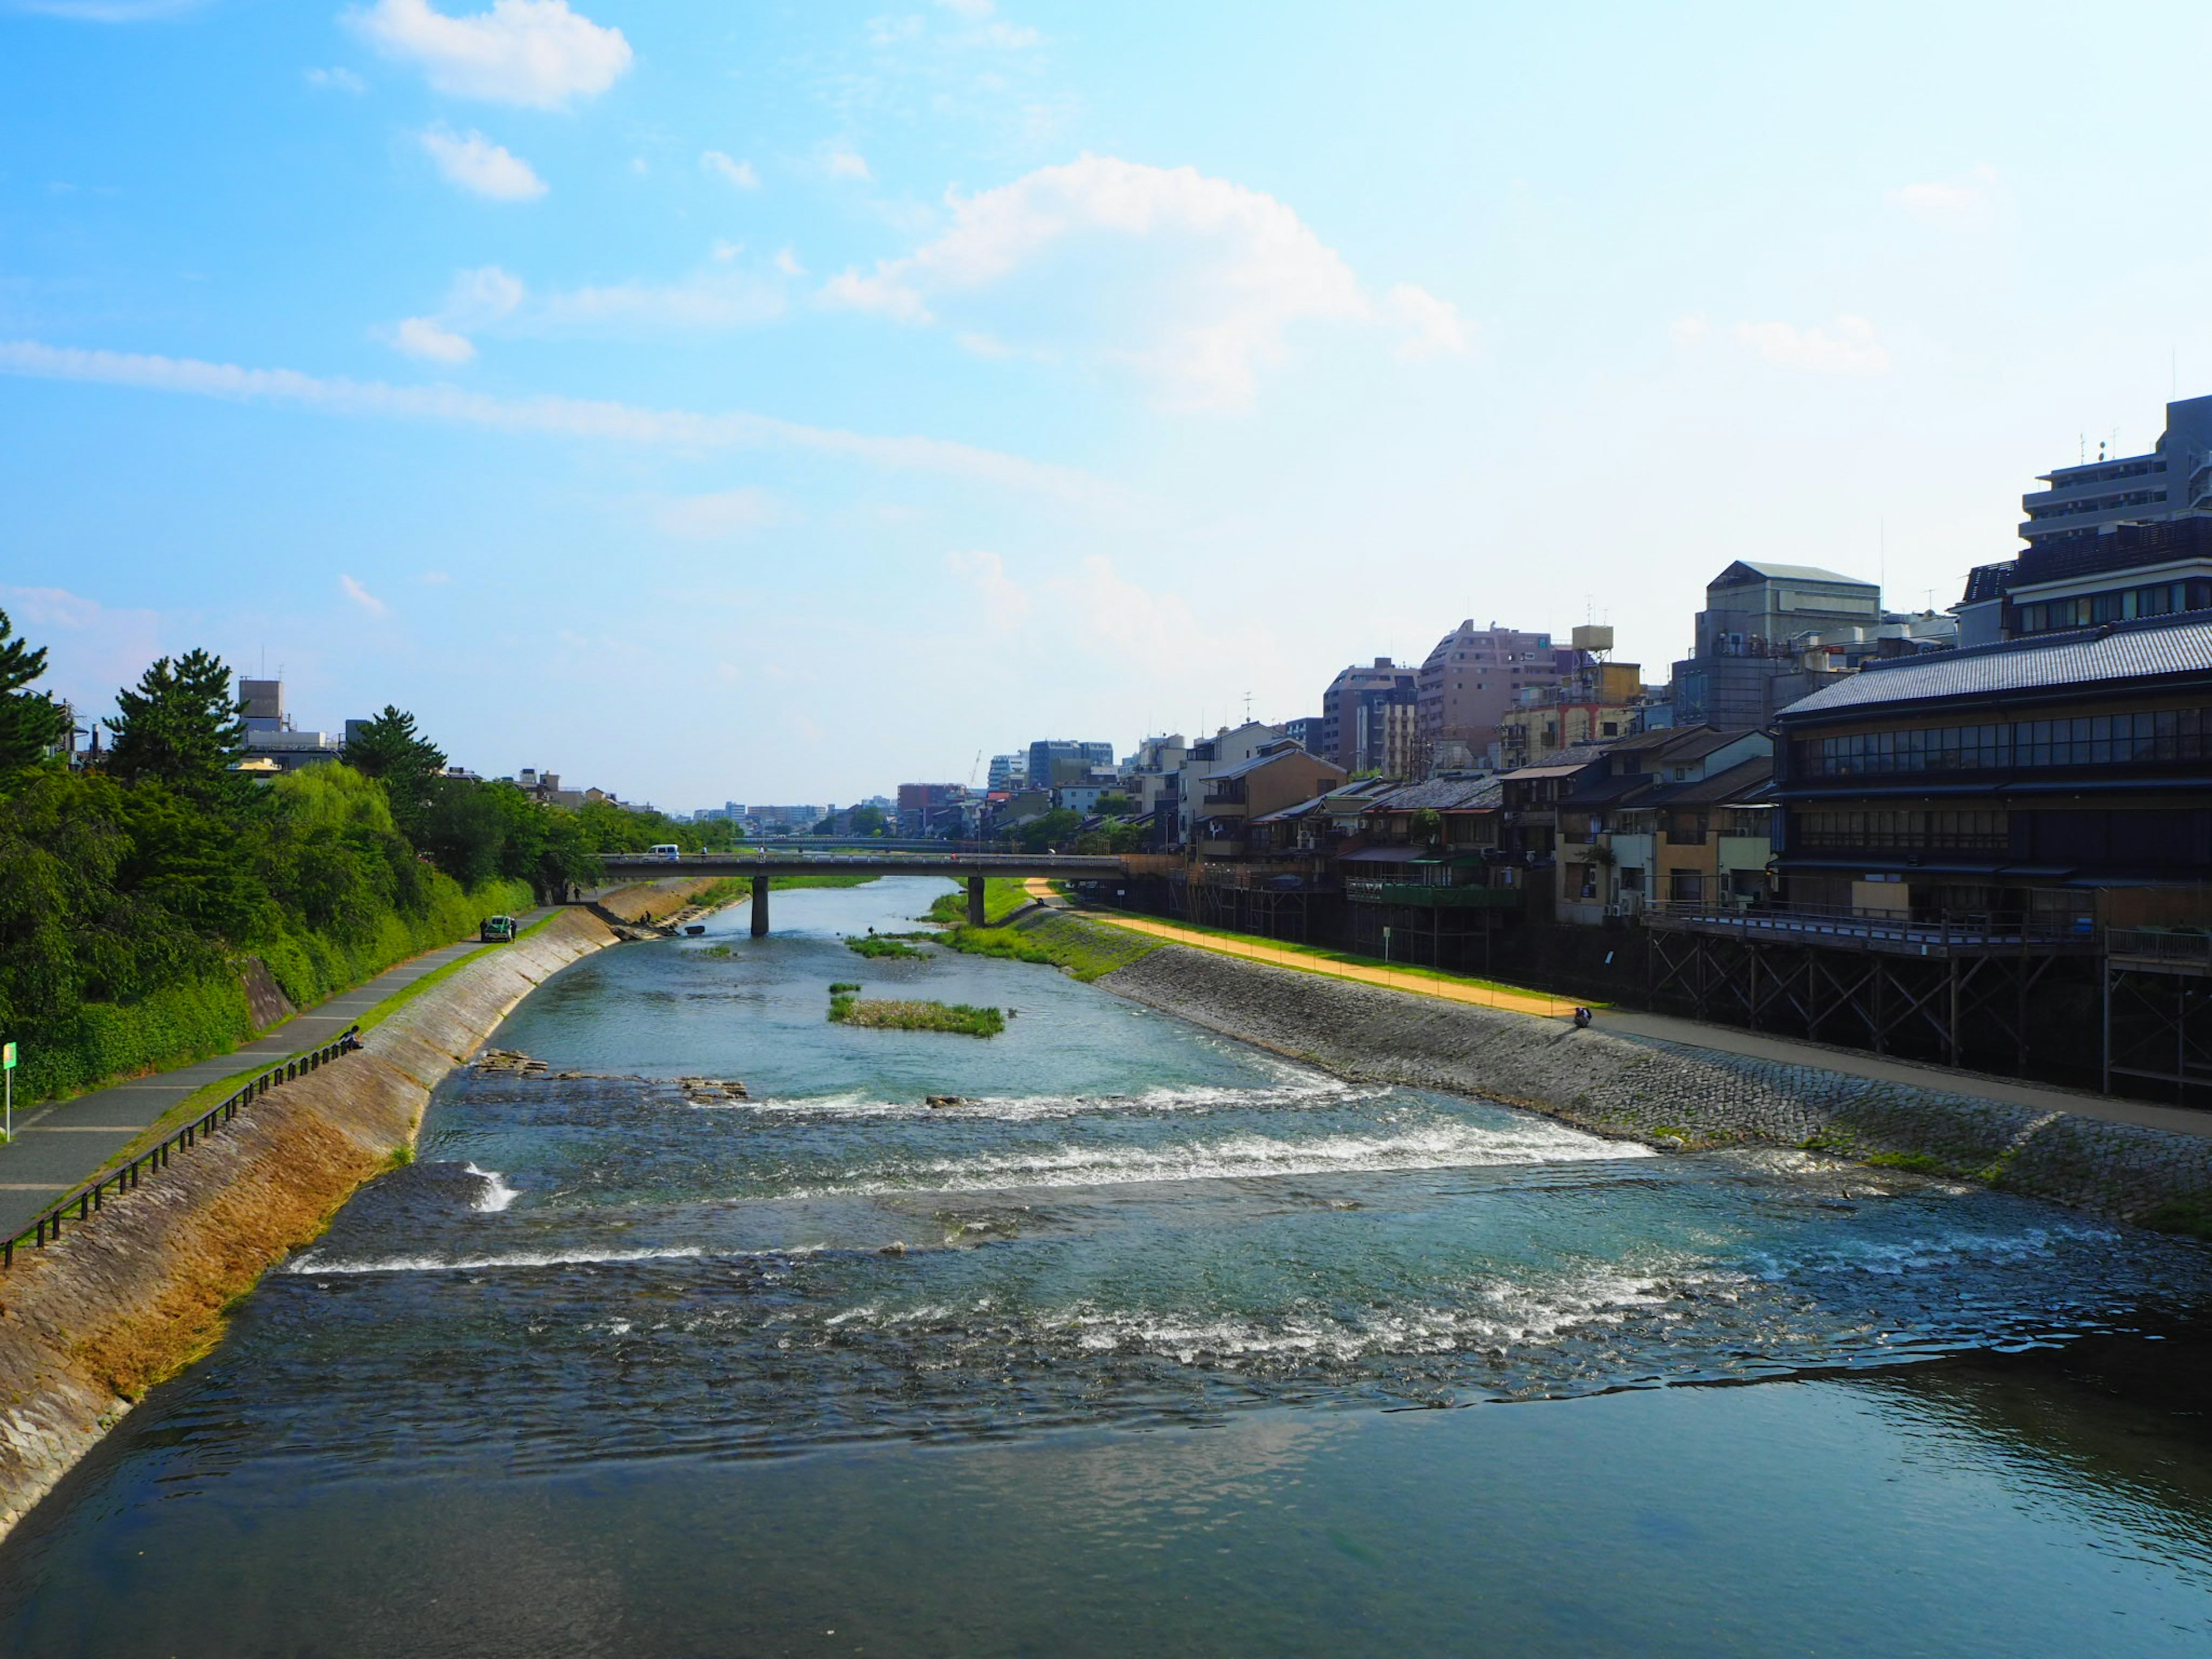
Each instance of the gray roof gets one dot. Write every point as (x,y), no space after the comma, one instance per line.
(1795,573)
(2130,651)
(1444,795)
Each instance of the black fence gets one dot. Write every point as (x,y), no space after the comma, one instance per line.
(80,1204)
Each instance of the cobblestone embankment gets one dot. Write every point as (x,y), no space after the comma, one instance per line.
(138,1291)
(1676,1096)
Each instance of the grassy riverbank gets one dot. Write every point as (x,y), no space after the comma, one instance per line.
(1085,950)
(1002,897)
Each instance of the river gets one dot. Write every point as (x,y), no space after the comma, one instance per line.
(1153,1344)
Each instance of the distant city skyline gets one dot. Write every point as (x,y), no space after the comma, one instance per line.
(674,395)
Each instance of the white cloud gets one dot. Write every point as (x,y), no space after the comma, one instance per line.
(1938,201)
(1689,330)
(1433,327)
(343,80)
(1125,617)
(490,298)
(973,12)
(725,251)
(842,163)
(1201,279)
(1005,603)
(556,416)
(419,337)
(736,172)
(787,263)
(536,52)
(91,647)
(435,579)
(1846,346)
(1013,36)
(720,517)
(361,596)
(475,163)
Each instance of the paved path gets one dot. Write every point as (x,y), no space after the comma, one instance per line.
(1720,1039)
(58,1145)
(1447,990)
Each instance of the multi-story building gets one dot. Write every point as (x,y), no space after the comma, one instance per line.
(1279,773)
(1063,760)
(1469,682)
(1759,621)
(931,809)
(2020,777)
(1008,771)
(2115,539)
(1358,724)
(1678,815)
(1598,702)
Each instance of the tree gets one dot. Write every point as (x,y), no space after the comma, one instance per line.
(1050,828)
(868,821)
(1114,806)
(30,721)
(181,726)
(409,765)
(1427,824)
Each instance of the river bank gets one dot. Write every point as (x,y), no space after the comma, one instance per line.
(1675,1096)
(141,1288)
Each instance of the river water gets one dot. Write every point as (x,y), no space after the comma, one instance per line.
(1154,1344)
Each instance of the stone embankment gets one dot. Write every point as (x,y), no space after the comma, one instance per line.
(138,1291)
(1675,1096)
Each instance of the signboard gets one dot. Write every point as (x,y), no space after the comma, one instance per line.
(7,1056)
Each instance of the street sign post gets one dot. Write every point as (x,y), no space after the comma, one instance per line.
(7,1071)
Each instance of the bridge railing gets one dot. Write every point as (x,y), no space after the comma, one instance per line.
(82,1202)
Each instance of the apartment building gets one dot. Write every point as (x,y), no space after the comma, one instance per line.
(1467,686)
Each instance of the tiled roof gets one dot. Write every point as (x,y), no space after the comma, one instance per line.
(1443,795)
(1740,782)
(1794,573)
(2125,652)
(1290,752)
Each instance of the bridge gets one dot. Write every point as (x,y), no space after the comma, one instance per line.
(760,866)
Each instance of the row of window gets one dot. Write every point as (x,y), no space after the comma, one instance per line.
(2088,610)
(2167,734)
(1941,832)
(2098,504)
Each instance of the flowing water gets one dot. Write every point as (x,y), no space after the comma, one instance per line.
(1150,1343)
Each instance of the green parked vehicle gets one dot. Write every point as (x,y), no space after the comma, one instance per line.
(496,930)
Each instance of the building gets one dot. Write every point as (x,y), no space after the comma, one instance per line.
(1677,816)
(1306,732)
(1277,774)
(1427,881)
(2115,539)
(1008,772)
(272,744)
(1357,721)
(1227,747)
(1597,702)
(2023,778)
(932,809)
(1759,621)
(1061,760)
(1469,682)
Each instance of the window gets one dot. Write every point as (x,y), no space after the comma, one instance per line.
(1685,828)
(1631,878)
(2169,734)
(1687,887)
(1905,831)
(1612,728)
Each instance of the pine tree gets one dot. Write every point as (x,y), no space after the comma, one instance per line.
(389,747)
(182,726)
(30,721)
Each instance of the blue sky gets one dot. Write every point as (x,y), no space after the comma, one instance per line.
(782,401)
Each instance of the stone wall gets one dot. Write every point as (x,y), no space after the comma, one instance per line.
(1674,1096)
(138,1293)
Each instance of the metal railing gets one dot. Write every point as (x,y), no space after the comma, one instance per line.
(1966,929)
(85,1200)
(2159,945)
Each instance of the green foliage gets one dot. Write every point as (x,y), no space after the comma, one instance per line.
(868,821)
(1109,838)
(1048,830)
(962,1018)
(1002,897)
(1114,806)
(2191,1217)
(1427,824)
(389,749)
(839,987)
(877,945)
(30,721)
(181,726)
(1085,950)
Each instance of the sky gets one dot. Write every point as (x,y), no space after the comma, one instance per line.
(712,400)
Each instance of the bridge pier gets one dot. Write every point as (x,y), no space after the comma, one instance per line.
(974,901)
(760,907)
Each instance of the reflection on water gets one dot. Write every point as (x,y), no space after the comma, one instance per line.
(1095,1358)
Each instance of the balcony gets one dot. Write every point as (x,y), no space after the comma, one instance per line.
(1894,931)
(1420,896)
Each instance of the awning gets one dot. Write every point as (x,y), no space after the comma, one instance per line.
(1380,855)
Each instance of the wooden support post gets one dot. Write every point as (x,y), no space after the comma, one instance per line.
(760,907)
(974,901)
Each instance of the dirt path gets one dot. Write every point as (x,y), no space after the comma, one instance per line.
(1518,1002)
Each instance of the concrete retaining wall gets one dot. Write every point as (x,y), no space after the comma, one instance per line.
(138,1293)
(1673,1096)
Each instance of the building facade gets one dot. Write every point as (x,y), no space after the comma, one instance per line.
(1466,686)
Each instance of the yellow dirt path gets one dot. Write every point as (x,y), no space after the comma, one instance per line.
(1518,1002)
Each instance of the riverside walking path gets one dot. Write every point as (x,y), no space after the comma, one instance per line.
(1664,1028)
(58,1145)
